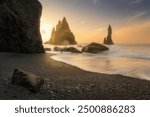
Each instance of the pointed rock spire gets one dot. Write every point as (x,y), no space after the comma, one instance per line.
(65,24)
(58,25)
(109,30)
(62,35)
(53,30)
(109,40)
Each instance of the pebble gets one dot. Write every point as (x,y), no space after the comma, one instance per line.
(77,88)
(51,92)
(69,91)
(92,85)
(61,66)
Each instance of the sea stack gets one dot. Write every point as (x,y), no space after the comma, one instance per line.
(62,35)
(109,40)
(20,26)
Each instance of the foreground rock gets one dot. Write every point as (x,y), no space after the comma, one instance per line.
(109,40)
(20,26)
(71,49)
(27,80)
(62,35)
(94,48)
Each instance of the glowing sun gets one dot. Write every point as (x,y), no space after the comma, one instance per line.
(45,29)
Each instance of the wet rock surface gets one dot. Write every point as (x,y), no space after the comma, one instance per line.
(70,49)
(94,48)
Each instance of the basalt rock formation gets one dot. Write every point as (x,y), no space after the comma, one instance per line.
(57,48)
(20,26)
(67,49)
(62,35)
(109,40)
(70,49)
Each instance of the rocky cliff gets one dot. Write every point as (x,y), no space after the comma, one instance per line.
(62,35)
(109,40)
(20,26)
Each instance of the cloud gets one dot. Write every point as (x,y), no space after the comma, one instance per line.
(133,33)
(135,1)
(83,22)
(101,29)
(95,1)
(136,16)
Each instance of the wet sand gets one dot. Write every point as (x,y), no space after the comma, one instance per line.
(63,81)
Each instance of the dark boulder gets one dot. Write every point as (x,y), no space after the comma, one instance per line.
(20,26)
(57,48)
(47,49)
(94,48)
(71,49)
(28,80)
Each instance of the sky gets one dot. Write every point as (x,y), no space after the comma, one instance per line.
(89,19)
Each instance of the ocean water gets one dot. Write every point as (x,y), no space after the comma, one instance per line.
(125,59)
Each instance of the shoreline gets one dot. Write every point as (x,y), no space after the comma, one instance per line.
(64,81)
(132,64)
(90,70)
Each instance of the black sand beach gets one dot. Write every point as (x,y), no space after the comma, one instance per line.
(63,81)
